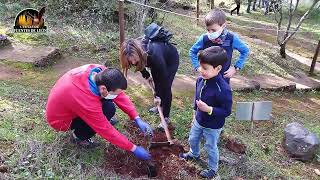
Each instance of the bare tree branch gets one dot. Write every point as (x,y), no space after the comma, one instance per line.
(290,9)
(278,21)
(286,34)
(318,6)
(306,14)
(296,7)
(291,14)
(141,14)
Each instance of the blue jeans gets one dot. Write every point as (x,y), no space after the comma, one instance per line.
(211,137)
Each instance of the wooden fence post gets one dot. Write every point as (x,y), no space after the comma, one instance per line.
(121,21)
(198,11)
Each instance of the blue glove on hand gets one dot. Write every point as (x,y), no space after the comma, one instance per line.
(141,153)
(144,127)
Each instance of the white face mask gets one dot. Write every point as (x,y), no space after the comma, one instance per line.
(215,35)
(110,96)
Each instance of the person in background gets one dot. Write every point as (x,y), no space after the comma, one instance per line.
(238,3)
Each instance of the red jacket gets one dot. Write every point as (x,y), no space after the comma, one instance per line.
(71,97)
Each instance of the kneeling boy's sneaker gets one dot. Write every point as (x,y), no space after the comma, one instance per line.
(154,110)
(209,174)
(188,156)
(88,143)
(113,121)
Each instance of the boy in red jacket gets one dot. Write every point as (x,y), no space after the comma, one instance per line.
(83,100)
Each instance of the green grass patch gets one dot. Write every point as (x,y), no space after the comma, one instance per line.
(42,153)
(24,109)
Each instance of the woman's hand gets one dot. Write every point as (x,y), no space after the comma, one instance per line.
(157,101)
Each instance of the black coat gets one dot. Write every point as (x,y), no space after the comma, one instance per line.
(163,60)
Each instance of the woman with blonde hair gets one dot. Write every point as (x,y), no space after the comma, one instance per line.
(163,60)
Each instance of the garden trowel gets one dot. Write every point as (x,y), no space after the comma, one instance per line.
(163,122)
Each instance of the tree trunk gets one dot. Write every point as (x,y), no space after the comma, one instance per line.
(283,50)
(314,60)
(288,34)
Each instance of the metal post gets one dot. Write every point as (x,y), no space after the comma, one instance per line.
(121,21)
(252,120)
(314,60)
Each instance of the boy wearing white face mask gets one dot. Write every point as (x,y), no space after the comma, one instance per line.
(218,35)
(82,101)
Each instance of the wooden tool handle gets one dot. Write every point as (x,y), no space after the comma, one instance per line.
(165,125)
(163,121)
(152,87)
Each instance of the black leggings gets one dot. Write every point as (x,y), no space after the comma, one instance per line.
(165,93)
(82,130)
(166,99)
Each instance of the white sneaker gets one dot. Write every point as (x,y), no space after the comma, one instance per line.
(160,125)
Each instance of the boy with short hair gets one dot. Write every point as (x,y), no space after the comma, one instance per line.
(218,35)
(212,104)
